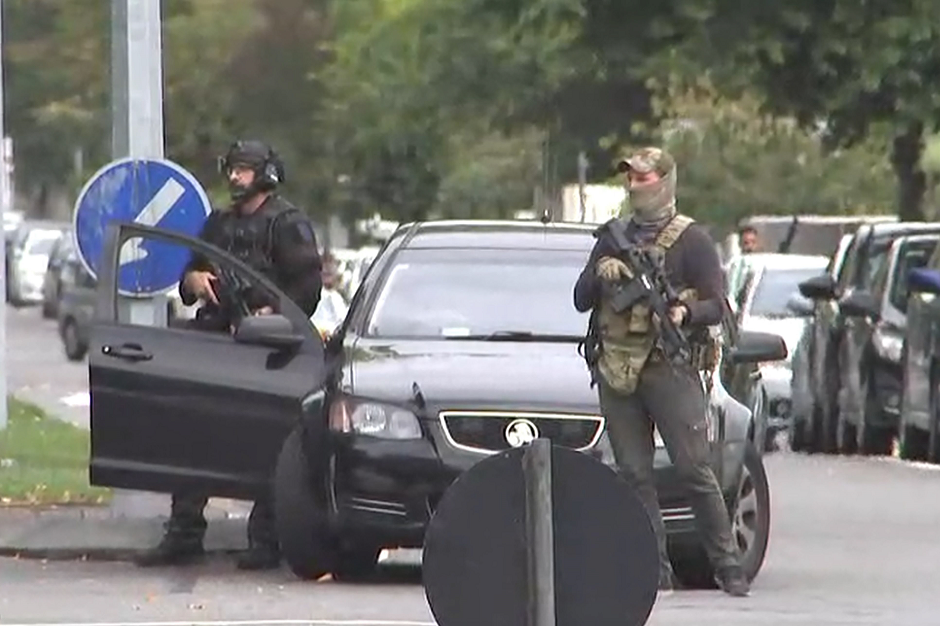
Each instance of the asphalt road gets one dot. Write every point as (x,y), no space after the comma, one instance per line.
(37,370)
(853,542)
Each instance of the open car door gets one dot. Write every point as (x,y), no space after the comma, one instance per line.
(181,408)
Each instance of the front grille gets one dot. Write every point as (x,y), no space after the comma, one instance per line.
(490,432)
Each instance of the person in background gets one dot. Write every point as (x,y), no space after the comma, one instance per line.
(748,239)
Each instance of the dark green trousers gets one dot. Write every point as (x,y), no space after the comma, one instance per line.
(672,398)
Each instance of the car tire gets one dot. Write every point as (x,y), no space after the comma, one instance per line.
(750,527)
(796,434)
(355,563)
(300,513)
(872,440)
(75,348)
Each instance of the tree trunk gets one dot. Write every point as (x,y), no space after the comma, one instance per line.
(912,183)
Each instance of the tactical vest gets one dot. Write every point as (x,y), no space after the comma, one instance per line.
(627,338)
(251,238)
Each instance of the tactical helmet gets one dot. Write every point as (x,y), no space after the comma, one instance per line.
(261,159)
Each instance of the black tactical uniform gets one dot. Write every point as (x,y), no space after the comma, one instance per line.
(278,240)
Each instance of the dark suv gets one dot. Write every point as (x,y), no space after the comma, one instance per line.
(866,254)
(876,319)
(461,342)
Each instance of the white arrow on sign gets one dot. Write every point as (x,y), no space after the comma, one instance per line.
(150,215)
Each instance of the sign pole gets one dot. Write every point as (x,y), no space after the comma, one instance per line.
(3,245)
(137,111)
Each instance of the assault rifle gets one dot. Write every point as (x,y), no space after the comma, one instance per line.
(650,286)
(232,293)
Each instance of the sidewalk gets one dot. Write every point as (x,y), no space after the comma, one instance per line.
(132,523)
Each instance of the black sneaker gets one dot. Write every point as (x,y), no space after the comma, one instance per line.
(171,551)
(731,580)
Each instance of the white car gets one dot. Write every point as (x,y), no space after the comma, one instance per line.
(768,288)
(29,261)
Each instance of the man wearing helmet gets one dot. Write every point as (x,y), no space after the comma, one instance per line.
(266,232)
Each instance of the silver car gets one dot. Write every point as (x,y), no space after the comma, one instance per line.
(765,304)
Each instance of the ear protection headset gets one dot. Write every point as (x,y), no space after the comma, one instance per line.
(269,172)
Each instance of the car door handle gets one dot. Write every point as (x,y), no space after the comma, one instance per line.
(127,351)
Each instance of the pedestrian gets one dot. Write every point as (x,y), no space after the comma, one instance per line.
(748,239)
(638,386)
(269,234)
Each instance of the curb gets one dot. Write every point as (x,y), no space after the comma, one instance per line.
(114,555)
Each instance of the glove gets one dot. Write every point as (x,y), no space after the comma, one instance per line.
(611,269)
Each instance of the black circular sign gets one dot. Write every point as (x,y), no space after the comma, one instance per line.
(606,559)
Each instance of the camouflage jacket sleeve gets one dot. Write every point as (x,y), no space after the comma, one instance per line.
(297,260)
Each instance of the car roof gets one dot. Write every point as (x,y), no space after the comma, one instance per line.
(775,260)
(888,229)
(503,234)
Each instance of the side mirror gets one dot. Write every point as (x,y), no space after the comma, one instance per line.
(860,303)
(273,331)
(800,305)
(924,280)
(757,347)
(821,287)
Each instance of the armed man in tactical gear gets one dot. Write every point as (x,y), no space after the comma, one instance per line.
(273,237)
(644,380)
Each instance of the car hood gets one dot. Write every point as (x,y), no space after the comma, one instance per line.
(540,376)
(788,328)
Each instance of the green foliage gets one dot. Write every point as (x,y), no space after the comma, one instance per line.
(735,160)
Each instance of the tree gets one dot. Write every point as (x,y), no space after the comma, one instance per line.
(845,66)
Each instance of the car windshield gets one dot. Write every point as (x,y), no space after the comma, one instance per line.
(481,294)
(776,287)
(40,242)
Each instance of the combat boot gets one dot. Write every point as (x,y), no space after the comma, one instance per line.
(260,556)
(173,549)
(731,580)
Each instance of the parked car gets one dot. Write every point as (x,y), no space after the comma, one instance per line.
(867,252)
(920,391)
(766,304)
(804,380)
(29,256)
(870,398)
(462,336)
(76,311)
(62,250)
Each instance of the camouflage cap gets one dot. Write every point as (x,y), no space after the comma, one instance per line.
(647,160)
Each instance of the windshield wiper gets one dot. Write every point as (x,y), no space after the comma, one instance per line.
(519,335)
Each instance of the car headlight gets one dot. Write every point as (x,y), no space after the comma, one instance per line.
(374,419)
(888,344)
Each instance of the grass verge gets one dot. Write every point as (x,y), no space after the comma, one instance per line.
(44,461)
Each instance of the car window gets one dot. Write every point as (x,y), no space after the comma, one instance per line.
(435,294)
(775,287)
(914,255)
(872,264)
(41,242)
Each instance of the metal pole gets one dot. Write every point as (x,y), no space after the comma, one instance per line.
(3,246)
(137,109)
(540,536)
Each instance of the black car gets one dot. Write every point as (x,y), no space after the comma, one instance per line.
(918,438)
(63,251)
(461,342)
(831,360)
(870,401)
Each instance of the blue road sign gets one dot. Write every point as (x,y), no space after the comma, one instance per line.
(153,192)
